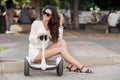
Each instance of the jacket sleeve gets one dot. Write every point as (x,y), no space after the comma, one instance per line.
(61,33)
(33,34)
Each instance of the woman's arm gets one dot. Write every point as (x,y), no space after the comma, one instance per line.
(33,37)
(61,19)
(61,26)
(61,33)
(37,29)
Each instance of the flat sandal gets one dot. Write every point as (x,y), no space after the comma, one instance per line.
(69,68)
(80,70)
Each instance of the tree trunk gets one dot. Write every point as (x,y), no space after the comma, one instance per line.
(57,4)
(75,16)
(71,14)
(36,3)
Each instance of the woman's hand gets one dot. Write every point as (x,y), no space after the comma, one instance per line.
(49,36)
(38,36)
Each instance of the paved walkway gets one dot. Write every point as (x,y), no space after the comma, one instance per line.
(90,49)
(109,72)
(79,44)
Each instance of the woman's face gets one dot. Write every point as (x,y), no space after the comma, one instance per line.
(47,14)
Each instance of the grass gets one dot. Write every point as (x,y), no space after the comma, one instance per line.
(3,48)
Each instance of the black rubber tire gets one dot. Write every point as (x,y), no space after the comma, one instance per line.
(26,67)
(60,68)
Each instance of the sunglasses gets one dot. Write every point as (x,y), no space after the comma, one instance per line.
(47,14)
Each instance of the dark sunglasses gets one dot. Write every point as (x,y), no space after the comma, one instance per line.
(47,14)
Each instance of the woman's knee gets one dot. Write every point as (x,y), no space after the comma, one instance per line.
(63,44)
(61,41)
(38,59)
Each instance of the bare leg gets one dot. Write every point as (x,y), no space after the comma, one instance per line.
(61,48)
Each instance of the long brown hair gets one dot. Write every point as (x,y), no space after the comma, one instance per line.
(54,23)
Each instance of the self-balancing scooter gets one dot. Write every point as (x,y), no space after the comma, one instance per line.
(44,65)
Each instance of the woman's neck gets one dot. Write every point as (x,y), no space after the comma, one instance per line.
(45,24)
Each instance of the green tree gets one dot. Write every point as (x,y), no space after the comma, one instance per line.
(108,4)
(20,3)
(60,4)
(37,6)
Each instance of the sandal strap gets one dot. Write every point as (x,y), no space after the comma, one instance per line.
(69,68)
(82,68)
(77,70)
(88,71)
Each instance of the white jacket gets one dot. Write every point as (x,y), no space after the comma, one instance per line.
(38,28)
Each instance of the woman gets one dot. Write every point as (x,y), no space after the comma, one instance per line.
(51,24)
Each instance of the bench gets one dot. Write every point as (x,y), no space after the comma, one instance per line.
(112,29)
(101,28)
(20,27)
(96,27)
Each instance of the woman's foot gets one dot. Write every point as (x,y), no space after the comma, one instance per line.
(74,69)
(71,69)
(83,70)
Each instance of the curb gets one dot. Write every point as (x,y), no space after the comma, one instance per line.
(100,61)
(12,66)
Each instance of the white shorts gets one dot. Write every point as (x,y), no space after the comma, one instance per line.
(33,52)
